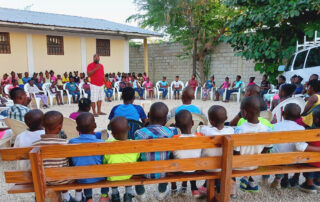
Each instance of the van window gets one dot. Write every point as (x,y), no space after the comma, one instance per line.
(299,62)
(288,67)
(313,58)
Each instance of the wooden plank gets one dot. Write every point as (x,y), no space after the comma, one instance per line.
(21,189)
(39,182)
(13,154)
(240,161)
(210,190)
(18,177)
(83,172)
(138,180)
(120,147)
(270,170)
(276,137)
(226,169)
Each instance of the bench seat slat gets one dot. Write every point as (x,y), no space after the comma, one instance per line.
(18,177)
(274,159)
(21,189)
(13,154)
(120,147)
(83,172)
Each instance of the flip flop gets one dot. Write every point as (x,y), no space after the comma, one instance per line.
(101,113)
(96,115)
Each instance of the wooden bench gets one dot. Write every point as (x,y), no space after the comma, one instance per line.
(35,180)
(274,163)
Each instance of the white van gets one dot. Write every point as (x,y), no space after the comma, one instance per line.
(305,62)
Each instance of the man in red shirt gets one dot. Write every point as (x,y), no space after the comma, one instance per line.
(96,73)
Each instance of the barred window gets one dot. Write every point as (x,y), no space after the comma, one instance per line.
(5,43)
(103,47)
(55,45)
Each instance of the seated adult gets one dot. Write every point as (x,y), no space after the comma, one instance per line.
(253,90)
(33,89)
(235,88)
(187,97)
(298,84)
(73,90)
(128,109)
(265,86)
(164,87)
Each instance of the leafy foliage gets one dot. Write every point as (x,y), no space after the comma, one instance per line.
(266,31)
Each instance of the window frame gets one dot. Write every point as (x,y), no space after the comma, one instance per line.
(48,45)
(107,51)
(8,44)
(304,60)
(310,52)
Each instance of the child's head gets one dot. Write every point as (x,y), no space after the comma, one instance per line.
(291,112)
(281,79)
(19,75)
(65,75)
(119,128)
(316,117)
(31,82)
(58,76)
(264,77)
(15,82)
(19,96)
(71,79)
(298,80)
(86,123)
(184,121)
(217,115)
(34,119)
(148,79)
(293,79)
(164,78)
(85,80)
(253,90)
(84,105)
(287,90)
(250,108)
(13,74)
(26,74)
(53,122)
(314,76)
(187,95)
(313,87)
(52,73)
(128,95)
(193,76)
(227,79)
(5,76)
(158,113)
(123,79)
(177,78)
(212,78)
(238,78)
(252,79)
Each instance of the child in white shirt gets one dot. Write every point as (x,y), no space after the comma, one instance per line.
(217,116)
(33,120)
(250,110)
(290,114)
(184,122)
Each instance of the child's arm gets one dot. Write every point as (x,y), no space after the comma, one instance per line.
(311,101)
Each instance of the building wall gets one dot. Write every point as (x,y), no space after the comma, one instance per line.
(17,60)
(70,61)
(164,61)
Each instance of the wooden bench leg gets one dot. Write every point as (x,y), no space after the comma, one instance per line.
(226,172)
(210,190)
(53,196)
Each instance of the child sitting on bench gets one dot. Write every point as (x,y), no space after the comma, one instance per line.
(52,122)
(120,128)
(86,126)
(250,110)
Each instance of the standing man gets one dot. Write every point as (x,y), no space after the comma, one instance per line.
(96,73)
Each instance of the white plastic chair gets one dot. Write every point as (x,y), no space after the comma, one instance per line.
(210,93)
(16,126)
(195,92)
(69,127)
(146,91)
(6,89)
(171,88)
(117,90)
(158,92)
(46,88)
(67,91)
(83,93)
(279,108)
(271,92)
(33,96)
(238,93)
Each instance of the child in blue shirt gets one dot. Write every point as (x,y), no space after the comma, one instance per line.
(86,126)
(164,87)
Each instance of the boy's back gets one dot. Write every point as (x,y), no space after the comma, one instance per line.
(191,153)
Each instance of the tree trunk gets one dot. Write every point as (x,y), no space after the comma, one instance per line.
(201,69)
(194,56)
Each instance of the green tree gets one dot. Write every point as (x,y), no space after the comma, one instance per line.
(197,24)
(266,31)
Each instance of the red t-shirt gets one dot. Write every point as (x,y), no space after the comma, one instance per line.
(97,78)
(315,144)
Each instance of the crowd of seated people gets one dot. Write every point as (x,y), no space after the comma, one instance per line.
(45,128)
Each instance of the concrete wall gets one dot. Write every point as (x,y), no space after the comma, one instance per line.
(163,61)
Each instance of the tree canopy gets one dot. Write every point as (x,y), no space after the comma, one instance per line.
(266,31)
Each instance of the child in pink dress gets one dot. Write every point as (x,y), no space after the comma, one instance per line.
(149,87)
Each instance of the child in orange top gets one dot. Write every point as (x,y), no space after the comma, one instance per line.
(184,122)
(108,89)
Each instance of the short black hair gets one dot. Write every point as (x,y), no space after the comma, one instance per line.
(292,111)
(315,75)
(212,76)
(283,78)
(52,119)
(217,114)
(183,119)
(33,119)
(84,104)
(288,89)
(84,121)
(158,112)
(164,77)
(239,76)
(300,78)
(15,93)
(266,76)
(177,76)
(251,103)
(315,85)
(128,94)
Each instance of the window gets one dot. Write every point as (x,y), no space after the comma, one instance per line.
(301,57)
(4,43)
(103,47)
(313,58)
(288,67)
(55,45)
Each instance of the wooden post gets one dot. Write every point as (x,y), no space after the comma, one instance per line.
(146,56)
(226,173)
(39,182)
(210,190)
